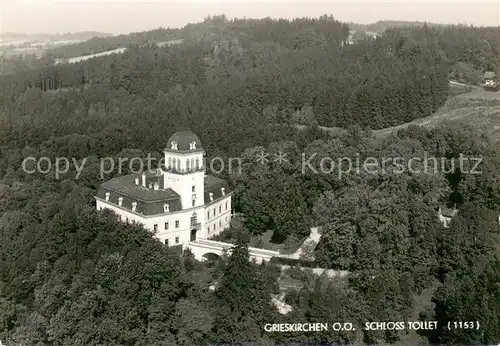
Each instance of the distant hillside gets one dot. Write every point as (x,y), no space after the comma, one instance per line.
(96,45)
(383,25)
(77,36)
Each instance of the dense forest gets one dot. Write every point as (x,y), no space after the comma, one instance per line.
(70,275)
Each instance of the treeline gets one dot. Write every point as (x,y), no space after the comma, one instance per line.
(382,25)
(249,71)
(469,51)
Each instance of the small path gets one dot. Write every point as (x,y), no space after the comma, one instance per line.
(309,243)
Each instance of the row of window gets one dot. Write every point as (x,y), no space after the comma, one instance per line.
(155,226)
(191,164)
(177,240)
(177,224)
(220,211)
(214,226)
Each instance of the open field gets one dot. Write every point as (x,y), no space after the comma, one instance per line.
(90,56)
(469,104)
(113,51)
(474,106)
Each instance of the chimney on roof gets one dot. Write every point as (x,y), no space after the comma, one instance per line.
(134,206)
(120,201)
(107,196)
(136,180)
(144,179)
(223,190)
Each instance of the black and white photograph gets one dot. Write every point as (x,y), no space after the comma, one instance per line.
(249,172)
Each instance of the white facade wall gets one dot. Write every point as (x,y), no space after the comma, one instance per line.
(217,216)
(183,185)
(182,233)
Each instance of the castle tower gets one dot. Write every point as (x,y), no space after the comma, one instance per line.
(178,203)
(184,168)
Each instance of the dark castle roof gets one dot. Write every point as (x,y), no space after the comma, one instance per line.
(214,185)
(183,139)
(150,201)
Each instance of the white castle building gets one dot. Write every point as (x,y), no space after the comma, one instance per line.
(178,202)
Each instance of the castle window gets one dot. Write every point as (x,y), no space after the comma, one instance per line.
(169,163)
(193,188)
(166,242)
(188,166)
(173,145)
(220,224)
(134,206)
(194,219)
(150,185)
(166,225)
(166,208)
(226,205)
(192,164)
(176,223)
(220,209)
(192,145)
(155,227)
(193,202)
(177,240)
(214,211)
(223,190)
(211,195)
(120,201)
(107,196)
(197,163)
(208,215)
